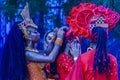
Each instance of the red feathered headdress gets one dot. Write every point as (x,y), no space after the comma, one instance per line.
(82,15)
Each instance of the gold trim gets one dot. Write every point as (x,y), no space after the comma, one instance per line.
(31,49)
(59,41)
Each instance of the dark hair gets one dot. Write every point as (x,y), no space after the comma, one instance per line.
(13,62)
(101,59)
(53,65)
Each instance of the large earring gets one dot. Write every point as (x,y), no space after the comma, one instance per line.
(25,31)
(90,47)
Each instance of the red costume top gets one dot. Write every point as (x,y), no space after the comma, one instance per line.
(64,65)
(83,68)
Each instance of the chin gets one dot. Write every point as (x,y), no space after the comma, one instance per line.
(36,38)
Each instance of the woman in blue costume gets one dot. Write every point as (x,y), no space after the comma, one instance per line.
(19,55)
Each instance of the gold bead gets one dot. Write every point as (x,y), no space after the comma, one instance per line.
(59,41)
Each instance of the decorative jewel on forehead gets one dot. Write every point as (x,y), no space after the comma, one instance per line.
(98,21)
(52,36)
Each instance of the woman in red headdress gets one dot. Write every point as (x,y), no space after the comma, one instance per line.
(96,64)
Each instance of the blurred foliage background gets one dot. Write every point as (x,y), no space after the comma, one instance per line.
(12,9)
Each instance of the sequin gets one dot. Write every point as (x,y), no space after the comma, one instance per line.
(35,72)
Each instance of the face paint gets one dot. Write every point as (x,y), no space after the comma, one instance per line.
(33,34)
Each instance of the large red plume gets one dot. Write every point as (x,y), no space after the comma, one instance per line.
(80,16)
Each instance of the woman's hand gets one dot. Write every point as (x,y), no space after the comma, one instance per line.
(61,31)
(75,49)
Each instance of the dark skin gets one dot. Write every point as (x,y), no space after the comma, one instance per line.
(39,57)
